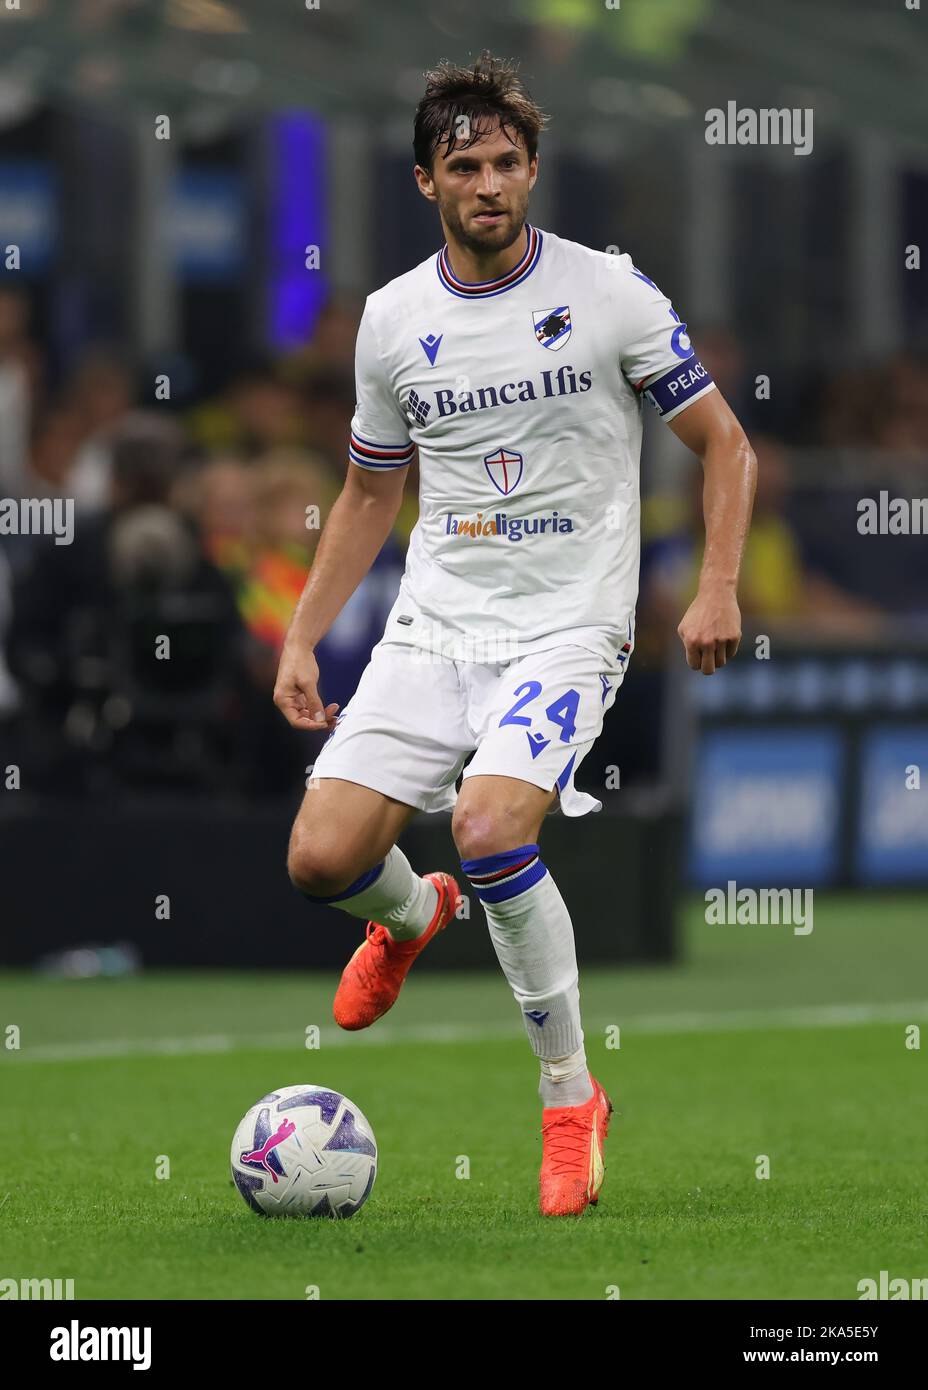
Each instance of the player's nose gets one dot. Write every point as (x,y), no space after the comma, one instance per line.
(489,184)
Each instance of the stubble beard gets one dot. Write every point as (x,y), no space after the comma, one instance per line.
(479,245)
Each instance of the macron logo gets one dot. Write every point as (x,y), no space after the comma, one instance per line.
(537,742)
(537,1016)
(430,346)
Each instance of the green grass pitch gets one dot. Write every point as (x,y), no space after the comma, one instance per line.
(759,1042)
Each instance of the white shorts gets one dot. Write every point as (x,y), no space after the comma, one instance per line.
(416,717)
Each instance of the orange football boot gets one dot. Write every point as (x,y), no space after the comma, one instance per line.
(572,1167)
(373,978)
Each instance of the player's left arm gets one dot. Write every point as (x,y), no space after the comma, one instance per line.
(711,626)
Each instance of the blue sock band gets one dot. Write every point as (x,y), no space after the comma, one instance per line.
(498,877)
(358,886)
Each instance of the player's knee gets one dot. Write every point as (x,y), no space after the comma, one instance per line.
(479,831)
(317,868)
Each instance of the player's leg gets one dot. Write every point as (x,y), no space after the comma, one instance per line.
(496,828)
(398,747)
(527,754)
(343,852)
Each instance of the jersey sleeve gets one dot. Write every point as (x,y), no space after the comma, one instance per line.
(656,355)
(379,435)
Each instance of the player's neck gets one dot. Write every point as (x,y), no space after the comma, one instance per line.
(472,268)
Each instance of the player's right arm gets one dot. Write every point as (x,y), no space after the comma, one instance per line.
(358,525)
(657,358)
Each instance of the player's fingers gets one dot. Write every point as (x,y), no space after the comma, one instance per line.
(693,653)
(732,646)
(313,705)
(721,655)
(708,660)
(282,698)
(298,704)
(295,712)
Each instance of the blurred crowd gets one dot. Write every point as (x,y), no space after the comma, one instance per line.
(198,520)
(196,523)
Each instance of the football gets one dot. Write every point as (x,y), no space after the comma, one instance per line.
(304,1151)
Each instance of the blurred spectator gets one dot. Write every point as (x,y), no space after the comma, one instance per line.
(778,587)
(88,618)
(260,526)
(849,409)
(257,528)
(54,449)
(722,353)
(735,372)
(258,411)
(328,404)
(283,543)
(776,584)
(20,386)
(101,394)
(883,407)
(9,698)
(333,339)
(901,423)
(220,495)
(328,395)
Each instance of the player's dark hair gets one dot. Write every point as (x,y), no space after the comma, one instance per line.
(488,93)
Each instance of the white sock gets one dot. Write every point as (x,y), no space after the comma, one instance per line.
(533,937)
(400,899)
(565,1081)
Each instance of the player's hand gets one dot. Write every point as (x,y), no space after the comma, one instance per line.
(711,629)
(296,693)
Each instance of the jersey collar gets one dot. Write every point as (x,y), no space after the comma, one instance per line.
(485,289)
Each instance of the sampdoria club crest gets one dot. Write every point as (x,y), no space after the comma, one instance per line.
(552,326)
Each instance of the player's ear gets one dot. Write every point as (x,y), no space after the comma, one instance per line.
(533,172)
(424,183)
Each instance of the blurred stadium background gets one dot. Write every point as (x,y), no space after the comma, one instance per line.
(141,259)
(125,780)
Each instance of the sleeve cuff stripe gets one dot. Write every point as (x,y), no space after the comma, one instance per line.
(372,463)
(367,449)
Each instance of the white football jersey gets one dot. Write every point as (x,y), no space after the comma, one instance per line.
(523,396)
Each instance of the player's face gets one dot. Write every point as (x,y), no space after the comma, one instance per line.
(482,191)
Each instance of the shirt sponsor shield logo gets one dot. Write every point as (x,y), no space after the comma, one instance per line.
(505,470)
(552,326)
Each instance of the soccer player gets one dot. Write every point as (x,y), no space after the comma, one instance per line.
(516,363)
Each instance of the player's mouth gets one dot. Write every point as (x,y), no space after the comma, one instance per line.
(489,219)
